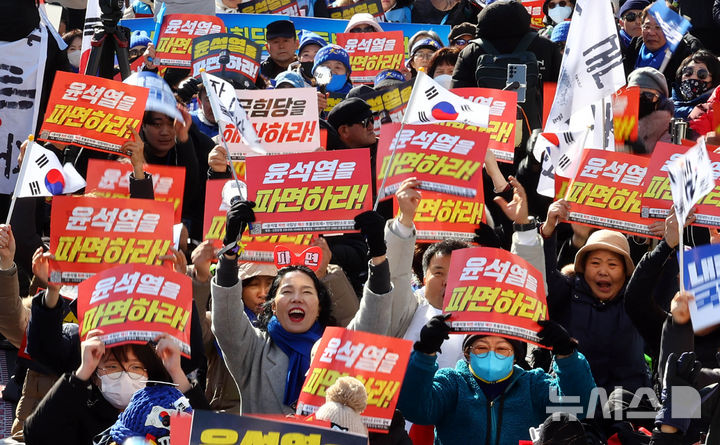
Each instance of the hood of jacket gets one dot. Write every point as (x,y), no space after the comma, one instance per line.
(503,19)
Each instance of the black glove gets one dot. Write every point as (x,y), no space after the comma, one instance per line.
(187,89)
(556,337)
(372,227)
(681,376)
(433,334)
(486,236)
(239,216)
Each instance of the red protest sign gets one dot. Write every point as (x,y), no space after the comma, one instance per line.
(444,159)
(243,57)
(135,303)
(492,291)
(89,235)
(440,217)
(372,7)
(657,198)
(606,192)
(503,117)
(309,192)
(111,179)
(92,112)
(372,52)
(549,89)
(535,9)
(379,362)
(285,120)
(276,7)
(176,36)
(257,248)
(625,114)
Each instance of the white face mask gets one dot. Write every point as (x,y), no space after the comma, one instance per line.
(119,389)
(559,13)
(74,58)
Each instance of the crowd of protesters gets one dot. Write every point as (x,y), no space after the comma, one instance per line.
(617,319)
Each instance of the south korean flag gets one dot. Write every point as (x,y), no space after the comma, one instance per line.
(430,102)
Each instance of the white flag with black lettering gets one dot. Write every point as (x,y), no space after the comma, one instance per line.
(430,102)
(41,174)
(691,178)
(592,67)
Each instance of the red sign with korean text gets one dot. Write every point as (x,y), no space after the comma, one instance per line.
(89,235)
(606,192)
(135,303)
(501,127)
(444,159)
(285,120)
(372,52)
(379,362)
(309,192)
(625,114)
(275,7)
(535,9)
(92,112)
(257,248)
(657,199)
(111,179)
(372,7)
(492,291)
(440,217)
(176,36)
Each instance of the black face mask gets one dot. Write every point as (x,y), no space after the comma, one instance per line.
(307,68)
(647,106)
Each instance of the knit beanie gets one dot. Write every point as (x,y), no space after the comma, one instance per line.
(148,413)
(649,77)
(332,52)
(139,38)
(560,32)
(344,401)
(309,38)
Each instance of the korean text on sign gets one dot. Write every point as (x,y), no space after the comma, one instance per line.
(89,235)
(501,126)
(702,278)
(92,112)
(176,36)
(309,192)
(135,303)
(111,179)
(443,159)
(371,53)
(257,248)
(379,362)
(232,56)
(493,291)
(607,190)
(372,7)
(440,217)
(281,7)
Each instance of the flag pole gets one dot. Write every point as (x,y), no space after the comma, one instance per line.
(20,177)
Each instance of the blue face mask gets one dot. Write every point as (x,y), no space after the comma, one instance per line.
(336,83)
(491,366)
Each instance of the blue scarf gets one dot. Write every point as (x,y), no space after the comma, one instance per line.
(297,347)
(625,37)
(648,58)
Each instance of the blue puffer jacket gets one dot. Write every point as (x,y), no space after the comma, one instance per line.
(452,400)
(684,107)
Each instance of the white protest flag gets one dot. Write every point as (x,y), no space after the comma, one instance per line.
(41,174)
(691,178)
(592,66)
(92,19)
(430,102)
(228,112)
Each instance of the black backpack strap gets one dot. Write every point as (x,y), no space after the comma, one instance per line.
(525,42)
(487,46)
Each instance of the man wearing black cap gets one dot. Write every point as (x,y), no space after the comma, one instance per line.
(282,43)
(353,120)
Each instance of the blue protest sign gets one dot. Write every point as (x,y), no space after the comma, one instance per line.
(672,24)
(701,267)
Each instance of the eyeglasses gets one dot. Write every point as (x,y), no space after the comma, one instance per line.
(561,4)
(485,349)
(363,29)
(114,372)
(424,55)
(649,27)
(702,73)
(460,42)
(652,97)
(367,122)
(631,16)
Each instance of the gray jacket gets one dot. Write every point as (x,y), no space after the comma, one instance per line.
(257,364)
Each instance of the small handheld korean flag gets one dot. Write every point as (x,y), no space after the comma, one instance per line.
(42,174)
(430,102)
(228,112)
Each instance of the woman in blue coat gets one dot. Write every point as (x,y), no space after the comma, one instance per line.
(489,399)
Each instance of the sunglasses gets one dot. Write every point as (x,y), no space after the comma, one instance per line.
(651,97)
(561,4)
(631,16)
(702,73)
(460,42)
(363,29)
(367,122)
